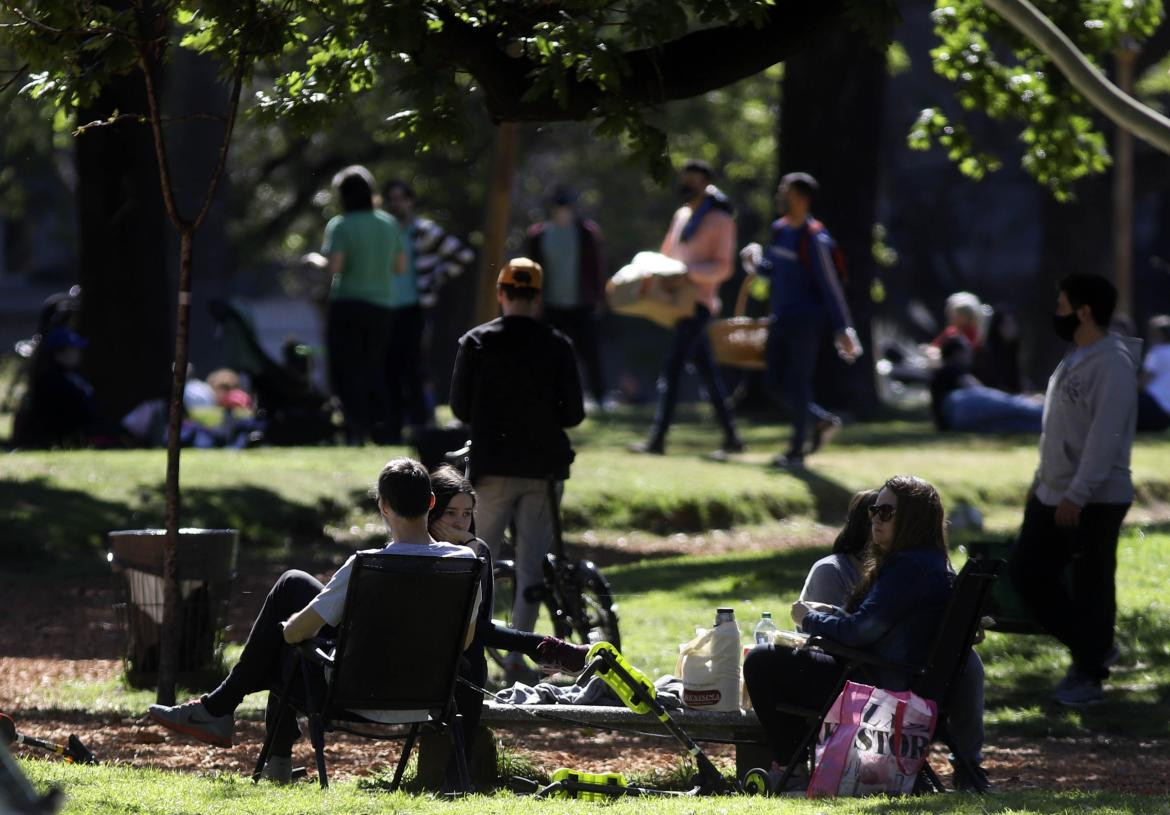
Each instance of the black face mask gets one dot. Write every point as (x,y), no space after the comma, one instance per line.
(1065,325)
(686,192)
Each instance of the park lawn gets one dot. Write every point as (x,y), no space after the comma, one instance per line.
(661,601)
(57,506)
(101,790)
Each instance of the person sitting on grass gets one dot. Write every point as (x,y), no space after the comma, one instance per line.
(827,588)
(893,613)
(299,608)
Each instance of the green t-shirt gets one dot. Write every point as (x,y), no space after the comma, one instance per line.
(370,241)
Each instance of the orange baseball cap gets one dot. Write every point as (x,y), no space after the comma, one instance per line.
(521,273)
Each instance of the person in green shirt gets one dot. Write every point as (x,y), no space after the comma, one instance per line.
(367,256)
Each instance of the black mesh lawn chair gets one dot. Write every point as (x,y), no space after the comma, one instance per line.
(398,649)
(935,679)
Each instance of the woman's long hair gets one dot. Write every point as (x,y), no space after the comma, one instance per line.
(918,524)
(853,537)
(446,483)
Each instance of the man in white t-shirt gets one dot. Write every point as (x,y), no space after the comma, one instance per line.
(297,609)
(1154,379)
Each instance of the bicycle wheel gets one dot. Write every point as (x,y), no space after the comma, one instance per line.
(585,602)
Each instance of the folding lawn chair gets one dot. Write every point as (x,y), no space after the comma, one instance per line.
(398,648)
(935,679)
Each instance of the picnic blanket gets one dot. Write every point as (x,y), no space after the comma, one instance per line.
(669,691)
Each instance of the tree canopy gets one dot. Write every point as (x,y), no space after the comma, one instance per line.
(999,74)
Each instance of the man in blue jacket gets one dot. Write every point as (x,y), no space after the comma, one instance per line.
(806,298)
(1082,488)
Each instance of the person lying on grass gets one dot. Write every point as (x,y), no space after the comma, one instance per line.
(828,587)
(893,613)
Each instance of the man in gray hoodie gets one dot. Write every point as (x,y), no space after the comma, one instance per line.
(1082,488)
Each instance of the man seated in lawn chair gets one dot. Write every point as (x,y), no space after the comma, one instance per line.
(299,608)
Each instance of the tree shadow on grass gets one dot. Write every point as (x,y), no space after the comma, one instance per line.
(44,525)
(1137,695)
(769,573)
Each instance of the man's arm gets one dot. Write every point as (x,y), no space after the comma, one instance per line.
(336,263)
(302,626)
(570,400)
(1113,400)
(820,256)
(461,382)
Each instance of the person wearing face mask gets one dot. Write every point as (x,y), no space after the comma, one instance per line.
(806,299)
(702,236)
(1082,487)
(892,613)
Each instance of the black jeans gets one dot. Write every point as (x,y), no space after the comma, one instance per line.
(691,344)
(356,335)
(404,376)
(580,325)
(267,658)
(791,353)
(1081,615)
(793,676)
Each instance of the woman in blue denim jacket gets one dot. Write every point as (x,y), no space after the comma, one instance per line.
(893,613)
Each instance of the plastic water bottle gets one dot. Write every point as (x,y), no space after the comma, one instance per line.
(765,629)
(724,615)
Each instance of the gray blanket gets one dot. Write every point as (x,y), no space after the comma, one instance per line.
(594,692)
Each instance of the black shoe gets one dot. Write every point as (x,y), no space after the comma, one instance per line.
(823,430)
(788,461)
(733,444)
(648,447)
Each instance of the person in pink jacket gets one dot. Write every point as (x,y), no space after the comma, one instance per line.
(701,235)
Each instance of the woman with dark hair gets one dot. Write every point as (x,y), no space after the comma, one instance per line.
(892,613)
(366,249)
(832,577)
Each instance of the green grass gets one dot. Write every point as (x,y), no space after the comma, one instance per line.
(662,601)
(57,506)
(100,790)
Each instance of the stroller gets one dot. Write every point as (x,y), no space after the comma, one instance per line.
(295,413)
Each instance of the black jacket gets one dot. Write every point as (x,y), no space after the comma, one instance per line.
(515,382)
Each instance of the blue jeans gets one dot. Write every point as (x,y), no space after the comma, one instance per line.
(791,355)
(987,410)
(691,344)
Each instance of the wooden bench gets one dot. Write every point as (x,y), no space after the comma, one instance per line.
(738,725)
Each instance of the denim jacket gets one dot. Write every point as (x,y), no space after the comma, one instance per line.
(898,618)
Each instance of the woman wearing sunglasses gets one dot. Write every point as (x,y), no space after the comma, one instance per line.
(892,612)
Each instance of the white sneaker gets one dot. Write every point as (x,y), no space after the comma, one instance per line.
(193,719)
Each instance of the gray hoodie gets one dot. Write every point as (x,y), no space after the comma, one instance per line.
(1090,412)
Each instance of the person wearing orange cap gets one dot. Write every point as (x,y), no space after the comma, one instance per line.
(516,383)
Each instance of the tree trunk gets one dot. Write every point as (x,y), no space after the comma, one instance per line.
(832,106)
(169,644)
(122,252)
(499,209)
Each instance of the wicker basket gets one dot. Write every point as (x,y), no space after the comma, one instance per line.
(738,342)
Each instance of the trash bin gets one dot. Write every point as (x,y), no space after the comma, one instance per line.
(205,568)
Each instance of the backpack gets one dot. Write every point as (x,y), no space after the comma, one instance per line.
(802,249)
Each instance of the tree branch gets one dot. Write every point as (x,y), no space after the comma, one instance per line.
(693,64)
(142,118)
(160,143)
(229,126)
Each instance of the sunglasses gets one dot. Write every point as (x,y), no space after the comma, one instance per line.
(882,511)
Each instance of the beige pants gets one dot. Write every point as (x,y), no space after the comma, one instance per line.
(503,500)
